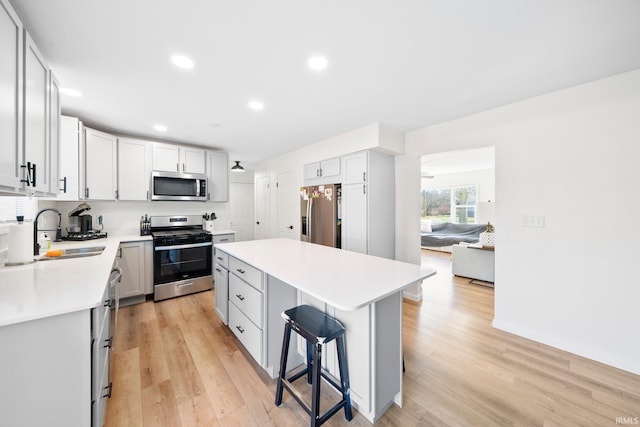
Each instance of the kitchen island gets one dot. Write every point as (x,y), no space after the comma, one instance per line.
(364,292)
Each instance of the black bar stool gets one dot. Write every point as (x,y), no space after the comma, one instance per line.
(317,328)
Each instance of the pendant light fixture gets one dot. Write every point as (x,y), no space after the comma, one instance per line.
(237,167)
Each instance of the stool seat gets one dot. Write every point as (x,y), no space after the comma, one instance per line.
(317,328)
(313,324)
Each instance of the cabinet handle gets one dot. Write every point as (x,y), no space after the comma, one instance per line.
(116,194)
(218,270)
(219,257)
(64,185)
(178,167)
(109,342)
(108,303)
(364,176)
(240,297)
(364,188)
(239,270)
(320,171)
(183,168)
(238,327)
(317,172)
(224,240)
(147,194)
(86,193)
(110,387)
(290,227)
(30,174)
(257,222)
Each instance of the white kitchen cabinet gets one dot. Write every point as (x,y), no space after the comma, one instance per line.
(218,176)
(131,261)
(36,118)
(324,172)
(178,158)
(71,138)
(54,135)
(134,169)
(100,165)
(221,283)
(67,357)
(11,100)
(368,204)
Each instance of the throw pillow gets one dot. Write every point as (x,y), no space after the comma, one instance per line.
(425,226)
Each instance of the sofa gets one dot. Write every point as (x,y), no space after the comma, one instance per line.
(436,234)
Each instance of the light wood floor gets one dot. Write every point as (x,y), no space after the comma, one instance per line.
(175,364)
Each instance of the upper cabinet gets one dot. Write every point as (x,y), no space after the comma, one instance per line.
(134,169)
(55,183)
(324,172)
(177,158)
(70,141)
(218,176)
(11,100)
(36,117)
(100,166)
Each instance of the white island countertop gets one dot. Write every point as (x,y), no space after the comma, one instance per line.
(344,279)
(53,287)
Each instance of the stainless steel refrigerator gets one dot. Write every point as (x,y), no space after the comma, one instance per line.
(320,211)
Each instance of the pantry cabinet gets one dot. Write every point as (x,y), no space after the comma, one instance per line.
(11,43)
(177,158)
(368,203)
(134,169)
(100,165)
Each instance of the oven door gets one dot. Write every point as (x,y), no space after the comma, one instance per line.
(181,269)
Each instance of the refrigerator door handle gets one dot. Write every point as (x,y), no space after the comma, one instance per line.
(309,219)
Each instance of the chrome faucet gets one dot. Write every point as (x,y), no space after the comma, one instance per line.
(36,246)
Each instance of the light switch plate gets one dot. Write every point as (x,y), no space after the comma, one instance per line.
(533,221)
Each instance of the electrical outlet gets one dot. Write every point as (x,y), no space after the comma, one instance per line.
(533,221)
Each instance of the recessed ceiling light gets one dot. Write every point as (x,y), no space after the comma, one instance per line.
(70,92)
(214,125)
(318,63)
(256,105)
(160,128)
(182,61)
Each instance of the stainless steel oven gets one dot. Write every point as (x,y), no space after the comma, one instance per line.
(182,256)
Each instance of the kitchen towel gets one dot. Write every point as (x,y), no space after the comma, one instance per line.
(20,243)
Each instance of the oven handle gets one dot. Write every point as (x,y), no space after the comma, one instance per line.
(192,245)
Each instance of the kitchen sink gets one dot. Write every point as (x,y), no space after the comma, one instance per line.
(76,253)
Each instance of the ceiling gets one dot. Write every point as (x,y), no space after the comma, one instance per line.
(407,64)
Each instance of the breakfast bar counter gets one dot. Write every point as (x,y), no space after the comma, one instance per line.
(266,277)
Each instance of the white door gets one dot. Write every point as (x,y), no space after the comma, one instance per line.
(263,206)
(36,112)
(242,210)
(288,206)
(354,217)
(11,99)
(100,165)
(134,169)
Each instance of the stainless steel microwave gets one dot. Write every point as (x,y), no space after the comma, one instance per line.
(178,186)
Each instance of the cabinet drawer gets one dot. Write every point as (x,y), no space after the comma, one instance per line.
(249,334)
(223,238)
(221,282)
(249,274)
(100,355)
(222,259)
(99,314)
(246,298)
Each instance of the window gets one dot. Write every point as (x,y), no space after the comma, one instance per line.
(455,204)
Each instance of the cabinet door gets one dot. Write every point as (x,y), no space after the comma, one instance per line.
(354,217)
(54,135)
(134,169)
(11,99)
(193,160)
(36,112)
(70,133)
(312,170)
(330,168)
(221,283)
(100,165)
(132,263)
(218,176)
(166,157)
(355,168)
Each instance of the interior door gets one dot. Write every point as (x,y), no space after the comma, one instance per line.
(263,206)
(242,210)
(288,206)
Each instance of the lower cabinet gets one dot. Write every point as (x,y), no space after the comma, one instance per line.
(55,370)
(136,261)
(221,277)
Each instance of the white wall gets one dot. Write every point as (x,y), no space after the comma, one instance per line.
(571,156)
